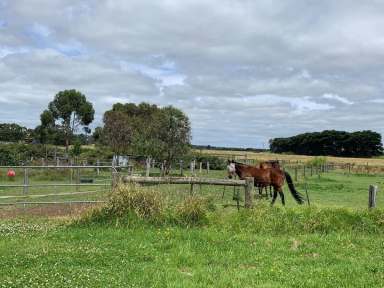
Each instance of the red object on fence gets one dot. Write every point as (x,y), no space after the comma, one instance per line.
(11,173)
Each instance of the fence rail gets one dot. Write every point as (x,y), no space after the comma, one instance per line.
(75,181)
(248,184)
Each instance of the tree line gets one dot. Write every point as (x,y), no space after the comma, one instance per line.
(330,142)
(144,129)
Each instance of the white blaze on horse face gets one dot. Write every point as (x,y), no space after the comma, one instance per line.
(231,168)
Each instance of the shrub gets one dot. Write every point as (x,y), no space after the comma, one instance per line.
(317,161)
(126,201)
(193,210)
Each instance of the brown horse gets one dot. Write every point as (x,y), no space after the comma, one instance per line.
(259,184)
(269,176)
(266,165)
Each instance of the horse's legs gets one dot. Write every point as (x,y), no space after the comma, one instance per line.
(270,190)
(281,193)
(266,191)
(274,196)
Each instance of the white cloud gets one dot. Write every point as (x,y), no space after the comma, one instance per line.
(233,66)
(337,98)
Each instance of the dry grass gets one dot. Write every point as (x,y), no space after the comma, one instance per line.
(263,156)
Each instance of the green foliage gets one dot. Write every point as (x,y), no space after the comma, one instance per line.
(145,129)
(16,154)
(215,163)
(72,109)
(317,161)
(117,131)
(76,149)
(331,142)
(10,132)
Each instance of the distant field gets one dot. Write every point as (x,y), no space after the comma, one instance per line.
(301,158)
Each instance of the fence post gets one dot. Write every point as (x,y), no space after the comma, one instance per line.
(249,182)
(181,167)
(26,181)
(372,196)
(295,173)
(304,174)
(207,167)
(148,166)
(192,168)
(77,179)
(98,169)
(162,169)
(201,167)
(71,170)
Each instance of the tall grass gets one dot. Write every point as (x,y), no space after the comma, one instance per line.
(301,220)
(143,205)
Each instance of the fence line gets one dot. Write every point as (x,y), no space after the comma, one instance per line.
(248,184)
(75,181)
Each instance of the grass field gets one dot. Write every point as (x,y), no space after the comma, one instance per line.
(333,243)
(229,252)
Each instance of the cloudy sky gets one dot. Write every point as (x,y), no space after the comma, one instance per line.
(243,71)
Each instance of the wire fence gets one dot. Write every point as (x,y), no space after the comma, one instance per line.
(328,184)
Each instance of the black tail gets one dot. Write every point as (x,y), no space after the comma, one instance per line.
(298,197)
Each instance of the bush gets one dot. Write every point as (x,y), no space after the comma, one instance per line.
(317,161)
(126,201)
(193,210)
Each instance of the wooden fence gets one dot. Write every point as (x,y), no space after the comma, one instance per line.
(248,184)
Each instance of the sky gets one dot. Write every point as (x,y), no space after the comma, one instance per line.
(243,71)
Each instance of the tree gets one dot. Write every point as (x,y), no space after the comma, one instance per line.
(11,132)
(148,130)
(71,109)
(331,142)
(117,131)
(174,134)
(76,149)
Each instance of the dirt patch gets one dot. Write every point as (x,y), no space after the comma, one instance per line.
(44,210)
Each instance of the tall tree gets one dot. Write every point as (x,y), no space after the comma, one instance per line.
(117,131)
(174,134)
(71,109)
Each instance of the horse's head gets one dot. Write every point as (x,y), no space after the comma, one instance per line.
(231,169)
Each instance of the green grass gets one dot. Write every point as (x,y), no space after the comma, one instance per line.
(224,253)
(336,242)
